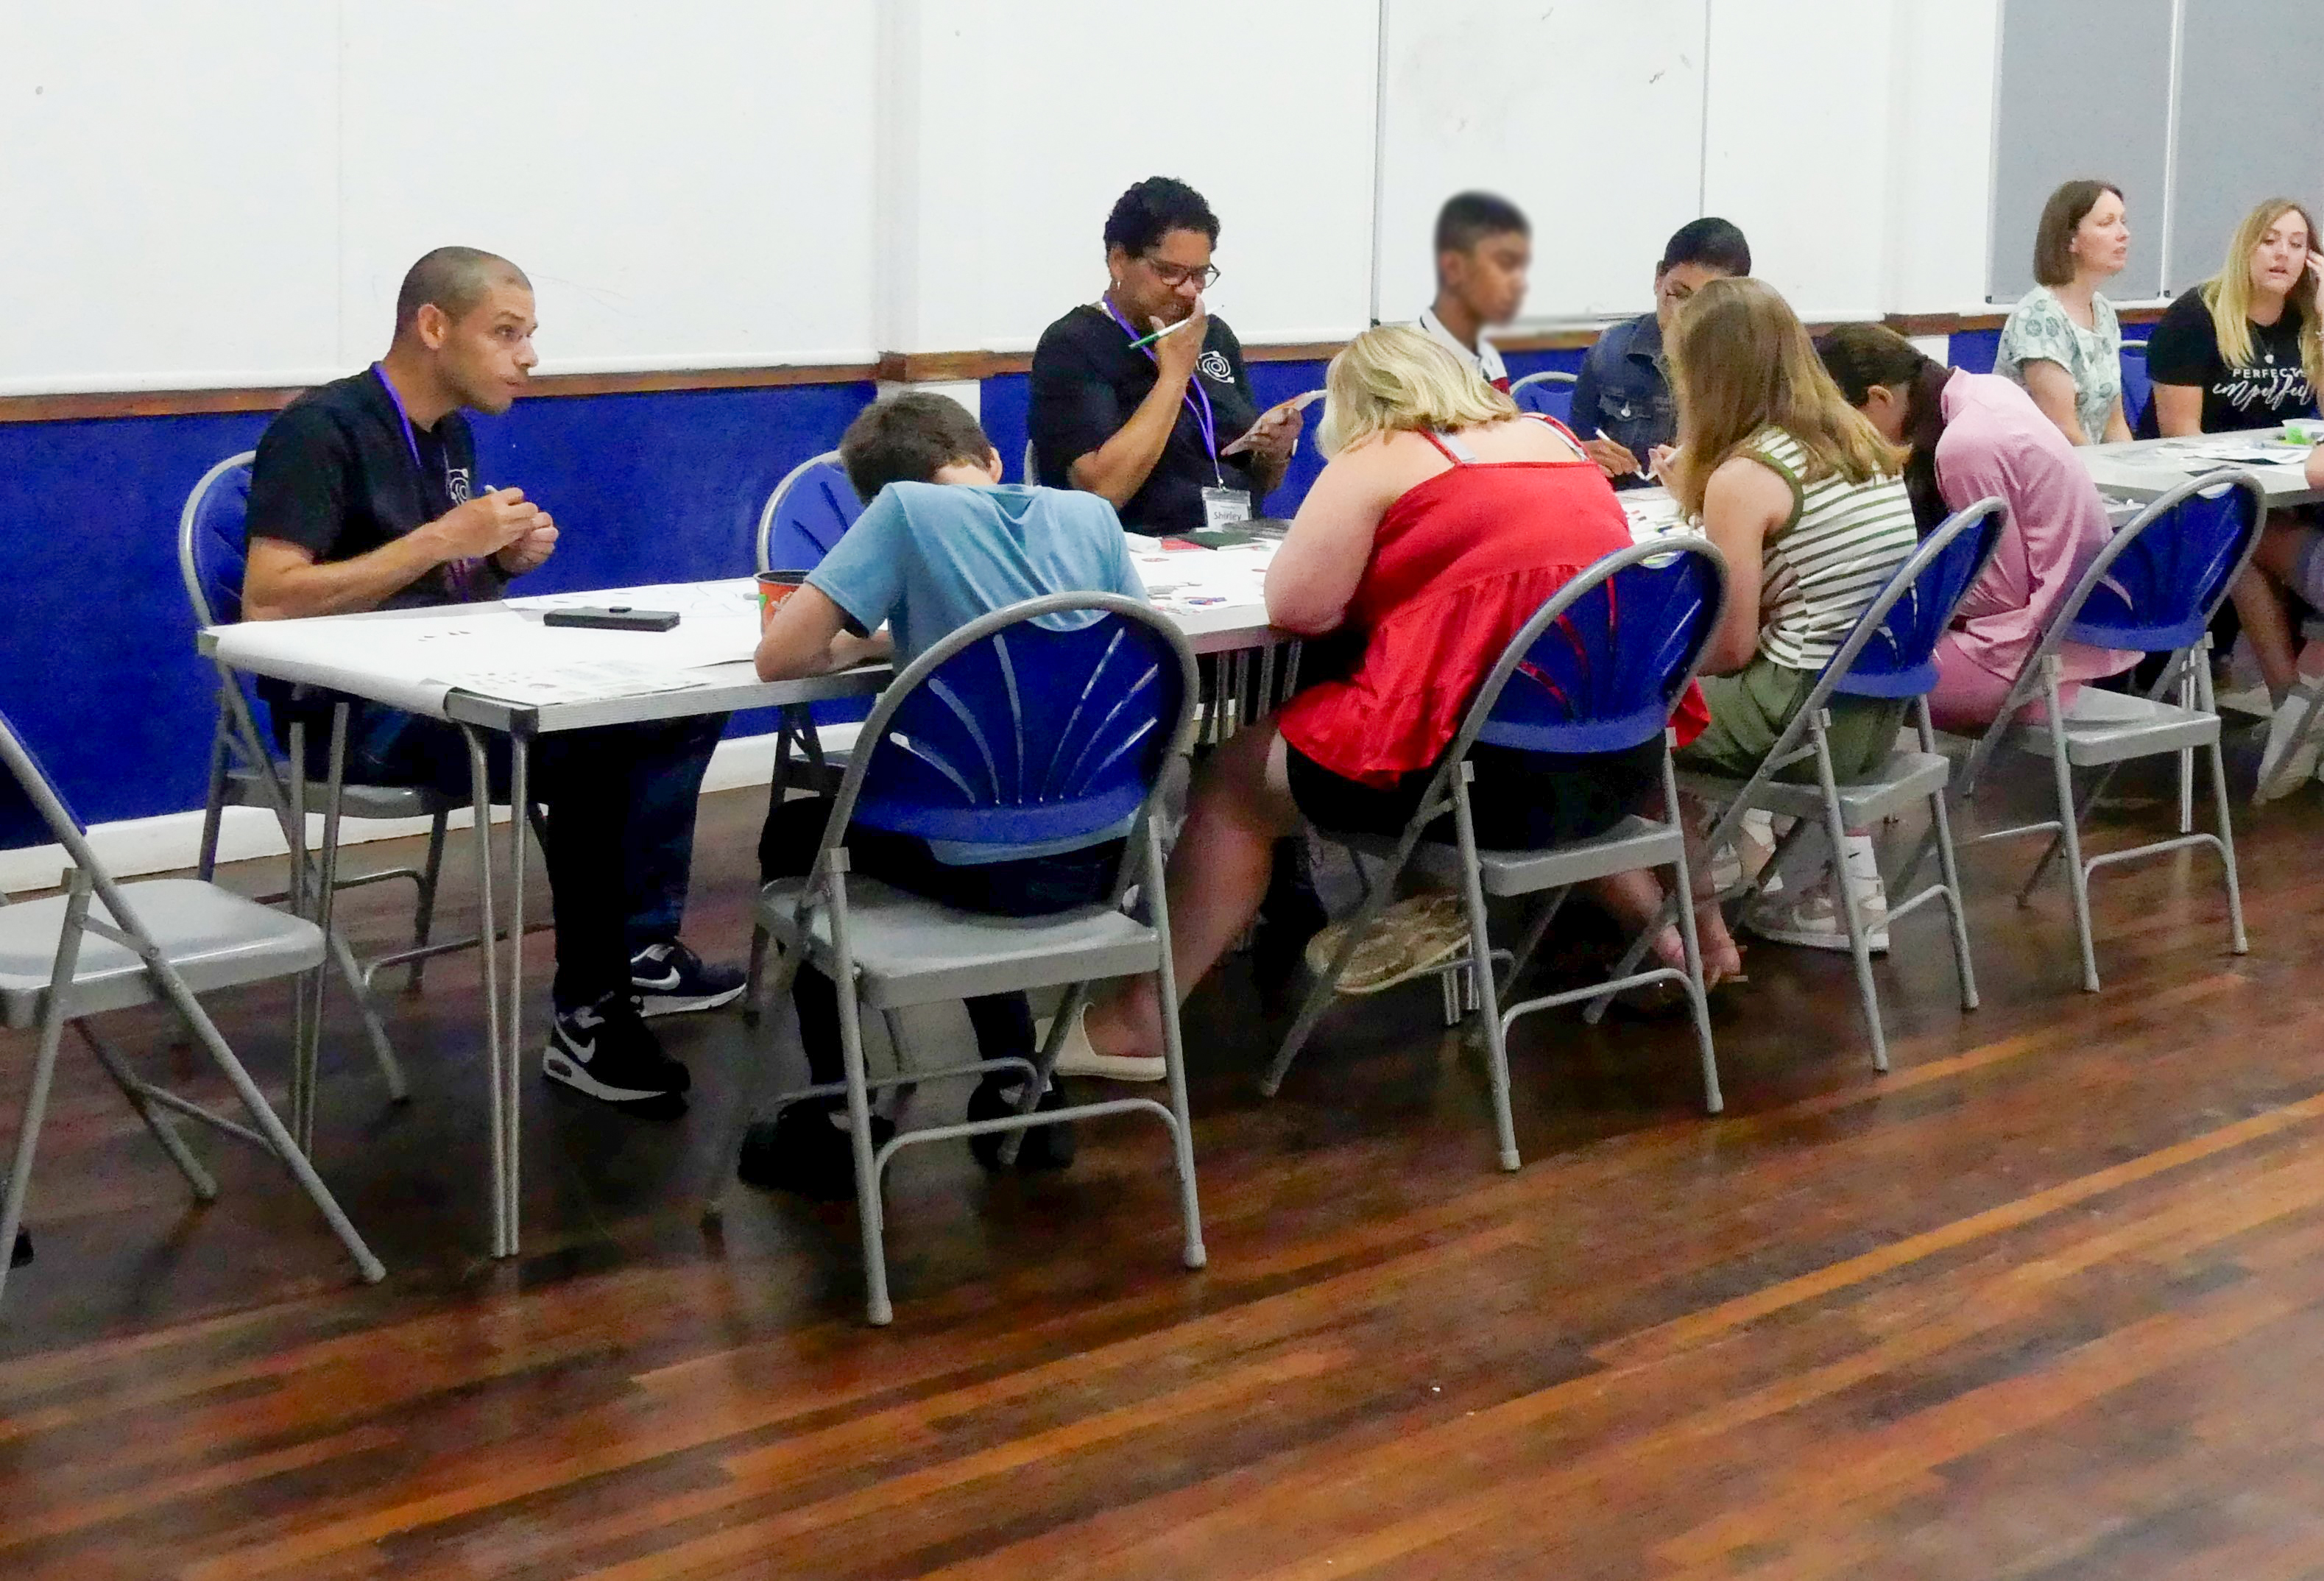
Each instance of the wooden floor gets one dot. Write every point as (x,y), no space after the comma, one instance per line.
(2046,1301)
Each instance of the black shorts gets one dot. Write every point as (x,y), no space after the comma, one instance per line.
(1520,801)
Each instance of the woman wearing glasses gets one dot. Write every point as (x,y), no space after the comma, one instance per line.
(1169,430)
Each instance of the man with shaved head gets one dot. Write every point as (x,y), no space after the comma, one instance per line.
(364,497)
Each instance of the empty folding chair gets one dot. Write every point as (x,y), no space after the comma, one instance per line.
(1549,392)
(1597,669)
(2154,589)
(1005,733)
(106,946)
(1888,654)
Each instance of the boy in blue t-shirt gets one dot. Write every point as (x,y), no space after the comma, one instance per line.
(941,543)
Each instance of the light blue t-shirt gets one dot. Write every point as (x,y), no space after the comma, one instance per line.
(927,559)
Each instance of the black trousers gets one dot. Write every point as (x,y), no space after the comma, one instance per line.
(620,840)
(1027,886)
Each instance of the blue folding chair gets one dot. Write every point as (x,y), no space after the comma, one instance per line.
(1007,732)
(807,515)
(2138,386)
(1549,393)
(103,946)
(2153,588)
(1889,654)
(1598,668)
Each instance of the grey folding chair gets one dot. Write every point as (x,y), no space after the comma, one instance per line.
(1005,733)
(2153,588)
(105,946)
(1888,654)
(1030,473)
(1598,668)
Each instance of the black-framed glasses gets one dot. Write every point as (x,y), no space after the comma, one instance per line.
(1175,275)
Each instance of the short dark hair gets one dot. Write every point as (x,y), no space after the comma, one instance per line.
(1152,209)
(1858,356)
(1709,243)
(454,278)
(908,439)
(1467,219)
(2061,216)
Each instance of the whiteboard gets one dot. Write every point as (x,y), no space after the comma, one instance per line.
(1589,116)
(170,200)
(1798,146)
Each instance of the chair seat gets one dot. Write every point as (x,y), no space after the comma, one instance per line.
(1905,778)
(2110,727)
(912,951)
(216,939)
(1634,842)
(246,787)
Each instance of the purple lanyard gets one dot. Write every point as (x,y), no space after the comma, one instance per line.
(1203,418)
(458,572)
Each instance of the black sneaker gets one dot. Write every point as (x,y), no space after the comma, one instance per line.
(1044,1147)
(670,980)
(21,1253)
(806,1149)
(606,1051)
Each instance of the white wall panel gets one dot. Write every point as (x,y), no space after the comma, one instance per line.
(167,193)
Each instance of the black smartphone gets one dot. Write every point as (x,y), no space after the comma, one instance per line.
(612,617)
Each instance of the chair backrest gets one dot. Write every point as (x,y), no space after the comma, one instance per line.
(2164,572)
(1898,657)
(1601,664)
(805,516)
(1549,392)
(213,547)
(33,810)
(1008,733)
(2137,387)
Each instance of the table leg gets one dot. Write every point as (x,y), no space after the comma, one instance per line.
(488,948)
(511,1068)
(1266,677)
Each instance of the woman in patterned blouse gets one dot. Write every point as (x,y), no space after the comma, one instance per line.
(2062,342)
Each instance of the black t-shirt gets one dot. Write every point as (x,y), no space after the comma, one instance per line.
(2184,349)
(336,476)
(1086,384)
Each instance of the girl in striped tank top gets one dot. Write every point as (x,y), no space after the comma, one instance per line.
(1808,503)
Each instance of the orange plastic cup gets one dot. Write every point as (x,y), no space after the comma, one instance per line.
(774,587)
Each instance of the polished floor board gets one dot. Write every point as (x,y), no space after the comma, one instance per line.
(2045,1302)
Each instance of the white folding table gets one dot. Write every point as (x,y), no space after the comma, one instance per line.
(2148,469)
(497,668)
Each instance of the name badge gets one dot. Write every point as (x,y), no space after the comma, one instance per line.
(1225,508)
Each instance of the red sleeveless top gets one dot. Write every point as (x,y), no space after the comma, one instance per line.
(1459,564)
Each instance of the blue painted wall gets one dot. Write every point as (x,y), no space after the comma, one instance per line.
(96,661)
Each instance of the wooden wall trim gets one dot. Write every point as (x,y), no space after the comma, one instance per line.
(894,367)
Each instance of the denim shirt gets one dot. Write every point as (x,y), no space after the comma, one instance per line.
(1622,393)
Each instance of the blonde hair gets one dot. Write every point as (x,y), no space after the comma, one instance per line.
(2228,294)
(1740,362)
(1395,380)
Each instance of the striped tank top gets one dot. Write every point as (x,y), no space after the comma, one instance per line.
(1830,561)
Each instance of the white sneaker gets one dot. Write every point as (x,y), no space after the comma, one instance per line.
(1814,921)
(1078,1058)
(2284,766)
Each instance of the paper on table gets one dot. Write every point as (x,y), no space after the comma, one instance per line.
(587,681)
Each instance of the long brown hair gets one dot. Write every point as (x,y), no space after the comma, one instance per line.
(1741,362)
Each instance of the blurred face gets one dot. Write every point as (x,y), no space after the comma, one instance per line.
(2101,243)
(1163,281)
(486,357)
(2281,254)
(1491,277)
(1673,286)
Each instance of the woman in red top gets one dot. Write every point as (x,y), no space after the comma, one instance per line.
(1443,521)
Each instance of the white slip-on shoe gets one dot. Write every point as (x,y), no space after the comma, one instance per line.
(1078,1058)
(1813,919)
(2288,761)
